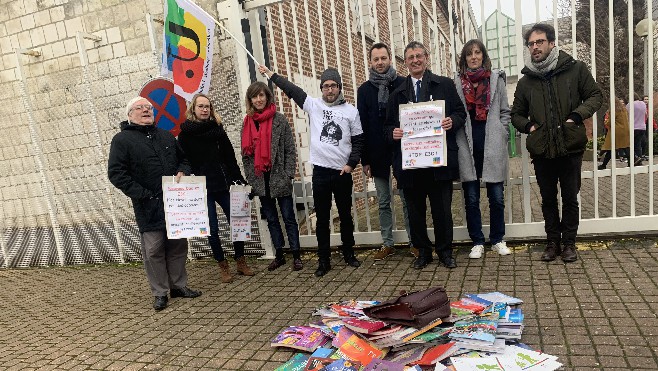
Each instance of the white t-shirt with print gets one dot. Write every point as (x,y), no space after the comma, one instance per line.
(332,129)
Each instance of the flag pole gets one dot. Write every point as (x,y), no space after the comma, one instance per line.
(229,32)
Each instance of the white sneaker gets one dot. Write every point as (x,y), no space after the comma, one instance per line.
(476,252)
(502,248)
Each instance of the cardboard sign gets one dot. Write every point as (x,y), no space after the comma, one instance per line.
(423,142)
(186,209)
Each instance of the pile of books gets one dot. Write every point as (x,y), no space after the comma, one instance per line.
(483,330)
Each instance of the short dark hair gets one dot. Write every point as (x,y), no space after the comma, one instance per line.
(379,46)
(486,62)
(541,27)
(415,45)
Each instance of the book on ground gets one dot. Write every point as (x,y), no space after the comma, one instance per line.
(300,337)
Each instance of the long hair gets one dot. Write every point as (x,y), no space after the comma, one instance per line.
(189,113)
(252,91)
(466,50)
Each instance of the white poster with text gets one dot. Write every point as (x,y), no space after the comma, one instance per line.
(185,206)
(423,142)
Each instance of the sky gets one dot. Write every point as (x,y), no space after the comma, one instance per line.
(507,7)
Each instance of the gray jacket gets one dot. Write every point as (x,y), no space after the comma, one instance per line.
(284,157)
(496,159)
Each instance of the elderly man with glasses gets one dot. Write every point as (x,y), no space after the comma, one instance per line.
(336,144)
(140,155)
(551,101)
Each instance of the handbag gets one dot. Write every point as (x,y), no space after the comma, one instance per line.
(416,309)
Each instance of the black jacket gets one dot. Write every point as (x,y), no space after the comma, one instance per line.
(377,152)
(439,88)
(139,157)
(211,154)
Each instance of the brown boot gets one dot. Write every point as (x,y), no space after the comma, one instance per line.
(225,272)
(242,268)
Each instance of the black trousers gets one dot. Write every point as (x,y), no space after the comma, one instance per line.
(439,193)
(641,142)
(325,183)
(566,171)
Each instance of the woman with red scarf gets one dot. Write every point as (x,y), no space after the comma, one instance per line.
(269,157)
(483,144)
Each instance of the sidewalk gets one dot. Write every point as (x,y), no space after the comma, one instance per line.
(596,313)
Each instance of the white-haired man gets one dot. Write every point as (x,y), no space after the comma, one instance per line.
(140,155)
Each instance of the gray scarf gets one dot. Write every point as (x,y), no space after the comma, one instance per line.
(545,66)
(383,81)
(340,100)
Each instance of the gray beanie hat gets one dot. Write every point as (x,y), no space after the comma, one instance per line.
(331,74)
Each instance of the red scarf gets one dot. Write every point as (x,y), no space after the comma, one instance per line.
(259,142)
(478,97)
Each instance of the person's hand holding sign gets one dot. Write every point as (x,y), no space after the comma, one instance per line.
(398,133)
(446,123)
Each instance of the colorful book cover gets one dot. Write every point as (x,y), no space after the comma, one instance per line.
(356,348)
(382,365)
(343,365)
(318,363)
(423,329)
(323,352)
(531,360)
(363,326)
(466,307)
(296,363)
(408,356)
(300,337)
(477,328)
(436,354)
(495,297)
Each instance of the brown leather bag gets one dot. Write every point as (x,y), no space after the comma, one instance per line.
(416,309)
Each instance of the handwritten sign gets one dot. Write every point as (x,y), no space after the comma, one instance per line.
(240,213)
(423,142)
(240,228)
(186,209)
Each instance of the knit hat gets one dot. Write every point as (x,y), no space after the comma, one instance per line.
(331,74)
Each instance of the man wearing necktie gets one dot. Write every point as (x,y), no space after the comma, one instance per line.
(434,183)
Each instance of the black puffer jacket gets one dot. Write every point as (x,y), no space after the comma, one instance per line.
(139,157)
(211,154)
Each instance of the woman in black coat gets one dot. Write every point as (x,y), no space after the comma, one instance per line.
(211,154)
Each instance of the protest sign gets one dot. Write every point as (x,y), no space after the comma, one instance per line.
(186,209)
(240,213)
(423,142)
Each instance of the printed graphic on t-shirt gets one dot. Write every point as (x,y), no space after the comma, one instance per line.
(331,132)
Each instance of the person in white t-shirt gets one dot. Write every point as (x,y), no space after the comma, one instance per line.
(336,144)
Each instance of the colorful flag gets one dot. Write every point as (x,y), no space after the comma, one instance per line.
(187,47)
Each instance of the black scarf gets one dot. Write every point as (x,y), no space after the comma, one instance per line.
(206,128)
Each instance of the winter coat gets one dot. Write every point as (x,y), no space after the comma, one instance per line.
(439,88)
(622,131)
(211,154)
(377,152)
(494,169)
(284,157)
(139,157)
(547,101)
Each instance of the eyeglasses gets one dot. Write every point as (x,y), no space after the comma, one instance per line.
(329,86)
(539,43)
(419,56)
(203,106)
(141,107)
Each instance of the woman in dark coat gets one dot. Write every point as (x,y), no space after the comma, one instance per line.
(210,153)
(269,157)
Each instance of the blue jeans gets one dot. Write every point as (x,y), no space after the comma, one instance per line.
(288,214)
(495,193)
(222,198)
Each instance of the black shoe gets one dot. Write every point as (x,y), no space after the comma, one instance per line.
(353,262)
(276,263)
(422,262)
(323,268)
(638,161)
(449,262)
(297,264)
(160,302)
(184,292)
(601,167)
(569,254)
(551,253)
